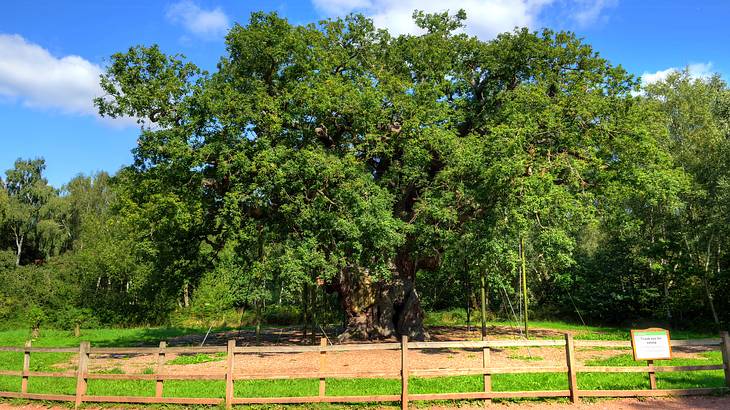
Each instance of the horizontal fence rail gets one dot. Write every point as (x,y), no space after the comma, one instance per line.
(160,375)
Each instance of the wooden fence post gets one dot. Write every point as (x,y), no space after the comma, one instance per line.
(322,366)
(229,373)
(570,360)
(725,347)
(83,368)
(652,374)
(26,367)
(404,372)
(486,362)
(160,369)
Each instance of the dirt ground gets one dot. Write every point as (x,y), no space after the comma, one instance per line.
(294,335)
(702,403)
(356,361)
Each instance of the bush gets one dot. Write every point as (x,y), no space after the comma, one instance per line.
(224,318)
(7,260)
(35,316)
(70,317)
(212,296)
(282,315)
(455,317)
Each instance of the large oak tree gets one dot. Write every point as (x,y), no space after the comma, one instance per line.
(336,154)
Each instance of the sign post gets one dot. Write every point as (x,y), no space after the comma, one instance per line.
(651,344)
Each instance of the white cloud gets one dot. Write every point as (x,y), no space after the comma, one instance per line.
(203,23)
(696,70)
(31,75)
(589,11)
(485,18)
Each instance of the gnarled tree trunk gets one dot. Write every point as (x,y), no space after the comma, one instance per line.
(381,309)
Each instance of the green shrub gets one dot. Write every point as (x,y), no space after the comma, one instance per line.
(282,315)
(454,317)
(70,316)
(7,260)
(35,316)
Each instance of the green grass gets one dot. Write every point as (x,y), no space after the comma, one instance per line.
(97,337)
(674,380)
(276,388)
(197,358)
(121,388)
(51,385)
(457,317)
(195,388)
(112,337)
(9,383)
(39,361)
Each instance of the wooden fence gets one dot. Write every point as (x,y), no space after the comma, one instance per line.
(571,369)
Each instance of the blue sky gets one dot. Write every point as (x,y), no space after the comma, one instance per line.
(52,52)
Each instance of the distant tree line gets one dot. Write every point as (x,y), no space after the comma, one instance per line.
(352,176)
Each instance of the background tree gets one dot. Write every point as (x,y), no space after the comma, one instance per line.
(696,112)
(28,192)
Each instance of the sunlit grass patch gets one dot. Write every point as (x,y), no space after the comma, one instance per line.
(52,385)
(121,388)
(665,380)
(276,388)
(195,388)
(197,358)
(360,387)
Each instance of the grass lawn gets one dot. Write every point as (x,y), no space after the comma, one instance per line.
(122,337)
(457,317)
(675,380)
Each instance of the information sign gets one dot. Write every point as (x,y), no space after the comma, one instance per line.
(651,344)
